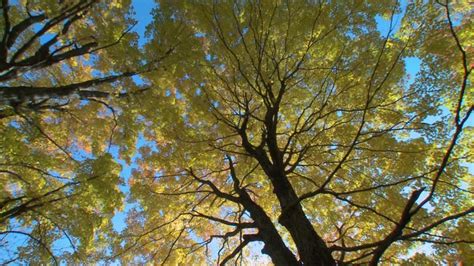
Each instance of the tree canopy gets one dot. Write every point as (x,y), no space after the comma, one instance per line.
(236,132)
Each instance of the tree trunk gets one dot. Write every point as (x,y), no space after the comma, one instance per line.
(311,247)
(274,246)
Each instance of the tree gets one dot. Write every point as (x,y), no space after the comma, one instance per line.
(294,124)
(49,52)
(59,84)
(289,127)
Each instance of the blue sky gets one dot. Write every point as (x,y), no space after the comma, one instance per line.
(142,9)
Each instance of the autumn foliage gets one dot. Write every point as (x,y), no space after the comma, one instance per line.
(236,132)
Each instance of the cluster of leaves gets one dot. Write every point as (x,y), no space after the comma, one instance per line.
(289,123)
(59,79)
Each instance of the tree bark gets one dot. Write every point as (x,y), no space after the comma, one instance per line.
(25,94)
(312,249)
(274,246)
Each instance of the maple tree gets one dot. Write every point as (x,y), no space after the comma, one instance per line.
(289,124)
(59,84)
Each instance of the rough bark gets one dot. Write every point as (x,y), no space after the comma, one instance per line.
(311,247)
(273,243)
